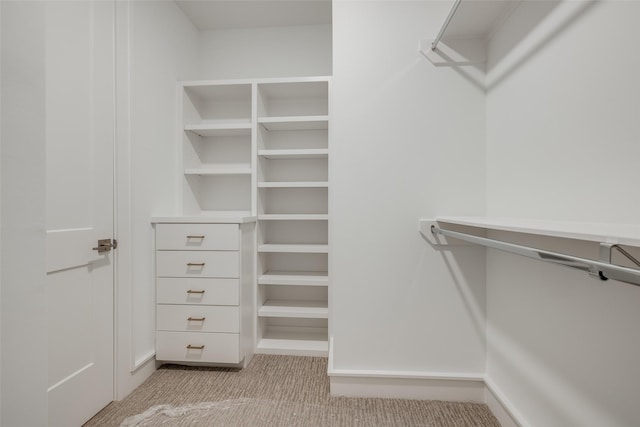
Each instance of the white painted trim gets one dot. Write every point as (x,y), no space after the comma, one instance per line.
(144,359)
(501,407)
(404,384)
(412,375)
(423,386)
(420,387)
(254,81)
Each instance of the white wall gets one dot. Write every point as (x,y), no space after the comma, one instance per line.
(161,48)
(23,312)
(407,142)
(265,52)
(563,108)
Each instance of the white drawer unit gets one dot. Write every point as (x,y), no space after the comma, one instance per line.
(204,290)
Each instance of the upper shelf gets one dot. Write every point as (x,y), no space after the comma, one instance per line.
(463,35)
(295,122)
(626,234)
(220,128)
(213,218)
(308,153)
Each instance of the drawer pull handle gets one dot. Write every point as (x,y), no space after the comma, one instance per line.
(196,319)
(195,237)
(195,347)
(195,292)
(195,264)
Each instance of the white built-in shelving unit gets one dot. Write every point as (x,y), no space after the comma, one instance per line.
(292,140)
(261,147)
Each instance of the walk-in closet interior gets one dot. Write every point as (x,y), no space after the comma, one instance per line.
(437,197)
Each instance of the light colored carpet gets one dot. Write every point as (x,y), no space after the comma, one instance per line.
(273,391)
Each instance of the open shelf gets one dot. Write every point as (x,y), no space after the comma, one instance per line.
(297,309)
(220,128)
(309,153)
(293,217)
(218,171)
(294,184)
(297,278)
(293,248)
(306,343)
(294,122)
(209,217)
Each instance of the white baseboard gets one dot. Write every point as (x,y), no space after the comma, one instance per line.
(419,387)
(501,407)
(423,386)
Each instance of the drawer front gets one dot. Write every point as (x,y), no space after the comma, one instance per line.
(197,237)
(202,291)
(205,318)
(198,264)
(216,348)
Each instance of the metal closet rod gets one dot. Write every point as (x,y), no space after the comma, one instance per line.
(434,45)
(598,269)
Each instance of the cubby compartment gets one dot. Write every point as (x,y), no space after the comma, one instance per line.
(293,170)
(217,105)
(280,140)
(293,232)
(212,193)
(306,302)
(292,264)
(293,99)
(292,200)
(294,336)
(225,152)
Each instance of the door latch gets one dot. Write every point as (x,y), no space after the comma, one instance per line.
(105,245)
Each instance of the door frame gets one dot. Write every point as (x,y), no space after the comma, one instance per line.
(128,373)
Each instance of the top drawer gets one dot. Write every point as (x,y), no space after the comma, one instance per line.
(197,237)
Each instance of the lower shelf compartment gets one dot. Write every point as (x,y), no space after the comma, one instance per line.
(297,309)
(294,342)
(310,278)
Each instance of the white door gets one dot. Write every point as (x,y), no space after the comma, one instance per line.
(80,202)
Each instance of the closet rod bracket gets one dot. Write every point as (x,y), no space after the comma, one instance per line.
(606,250)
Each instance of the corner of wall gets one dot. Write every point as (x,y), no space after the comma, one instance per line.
(501,407)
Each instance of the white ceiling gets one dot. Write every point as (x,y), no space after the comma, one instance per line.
(224,14)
